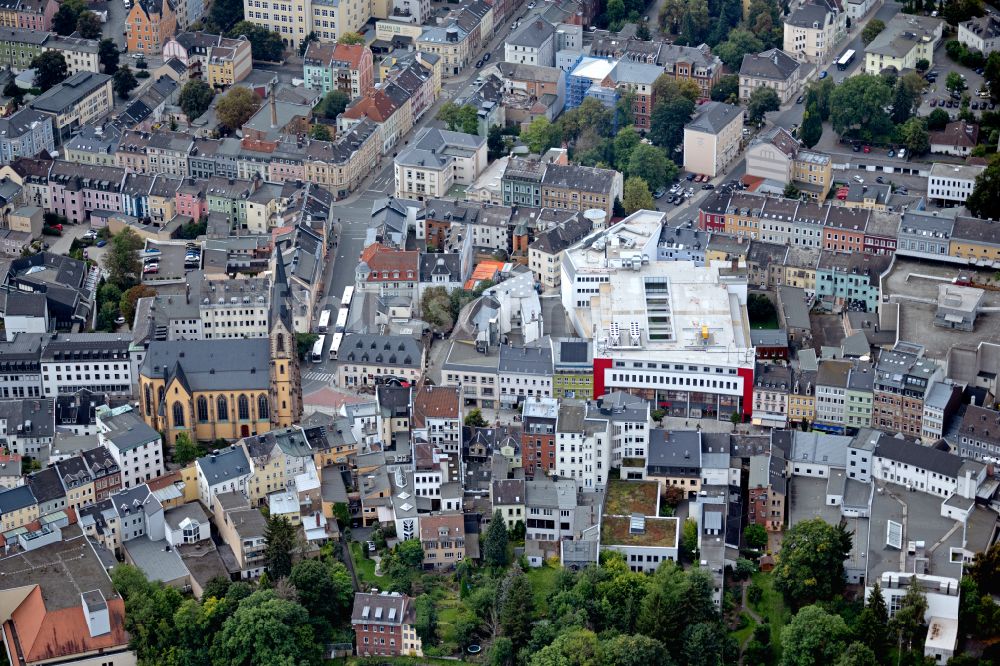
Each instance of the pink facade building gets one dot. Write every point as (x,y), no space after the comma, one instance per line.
(36,14)
(77,189)
(190,200)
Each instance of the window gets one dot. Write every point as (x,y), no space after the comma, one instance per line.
(178,415)
(263,409)
(148,394)
(243,406)
(202,409)
(222,409)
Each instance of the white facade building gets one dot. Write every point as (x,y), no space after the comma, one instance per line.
(98,362)
(137,448)
(952,183)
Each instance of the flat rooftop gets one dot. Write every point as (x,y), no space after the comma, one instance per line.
(625,498)
(656,532)
(64,570)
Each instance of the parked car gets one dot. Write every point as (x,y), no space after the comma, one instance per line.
(371,544)
(102,243)
(856,147)
(892,153)
(880,180)
(975,106)
(933,103)
(708,186)
(486,58)
(858,179)
(799,99)
(120,320)
(824,74)
(658,194)
(901,153)
(690,177)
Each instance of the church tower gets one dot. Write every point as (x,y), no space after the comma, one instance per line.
(286,381)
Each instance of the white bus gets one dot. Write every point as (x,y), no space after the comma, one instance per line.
(335,345)
(845,60)
(324,321)
(341,321)
(317,351)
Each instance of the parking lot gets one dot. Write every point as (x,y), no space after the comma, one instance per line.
(169,262)
(916,320)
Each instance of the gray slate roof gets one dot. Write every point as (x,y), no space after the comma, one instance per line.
(773,64)
(713,117)
(213,365)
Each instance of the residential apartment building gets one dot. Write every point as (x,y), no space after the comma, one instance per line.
(635,80)
(979,434)
(545,252)
(344,67)
(775,154)
(77,101)
(810,32)
(148,26)
(25,133)
(436,160)
(903,378)
(532,44)
(981,33)
(384,624)
(772,384)
(906,39)
(951,184)
(690,63)
(81,55)
(136,448)
(773,69)
(572,187)
(365,359)
(442,537)
(712,138)
(97,362)
(831,396)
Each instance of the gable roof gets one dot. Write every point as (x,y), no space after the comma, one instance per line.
(773,64)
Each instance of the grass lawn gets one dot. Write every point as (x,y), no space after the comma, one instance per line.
(743,634)
(364,567)
(772,607)
(543,582)
(767,324)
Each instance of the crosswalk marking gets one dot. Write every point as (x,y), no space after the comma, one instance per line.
(319,376)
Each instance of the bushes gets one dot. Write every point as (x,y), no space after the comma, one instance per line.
(960,53)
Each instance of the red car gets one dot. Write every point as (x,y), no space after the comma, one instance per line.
(867,149)
(57,227)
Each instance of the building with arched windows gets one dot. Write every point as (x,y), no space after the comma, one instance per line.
(224,389)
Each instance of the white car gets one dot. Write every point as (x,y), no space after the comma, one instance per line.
(531,5)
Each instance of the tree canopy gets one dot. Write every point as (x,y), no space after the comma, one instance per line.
(985,197)
(810,565)
(332,104)
(237,106)
(264,44)
(637,195)
(814,637)
(279,541)
(495,542)
(107,53)
(463,118)
(124,82)
(762,100)
(872,30)
(857,106)
(50,69)
(195,98)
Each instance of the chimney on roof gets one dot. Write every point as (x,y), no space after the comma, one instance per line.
(274,111)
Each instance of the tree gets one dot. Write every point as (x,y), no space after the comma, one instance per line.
(66,17)
(236,107)
(122,259)
(811,130)
(311,37)
(124,82)
(495,542)
(635,650)
(991,75)
(435,306)
(740,43)
(762,100)
(791,192)
(985,570)
(577,647)
(88,25)
(642,32)
(625,142)
(676,600)
(858,104)
(320,132)
(351,38)
(264,44)
(637,196)
(463,118)
(915,136)
(727,89)
(922,65)
(126,305)
(495,146)
(818,94)
(985,197)
(937,120)
(872,30)
(813,637)
(873,623)
(857,654)
(908,621)
(266,630)
(616,11)
(185,451)
(666,124)
(810,566)
(333,104)
(50,69)
(514,603)
(195,98)
(474,419)
(304,343)
(325,589)
(501,652)
(703,645)
(279,539)
(666,89)
(651,164)
(689,540)
(224,14)
(107,54)
(540,135)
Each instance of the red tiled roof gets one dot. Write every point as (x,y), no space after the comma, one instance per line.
(381,258)
(434,402)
